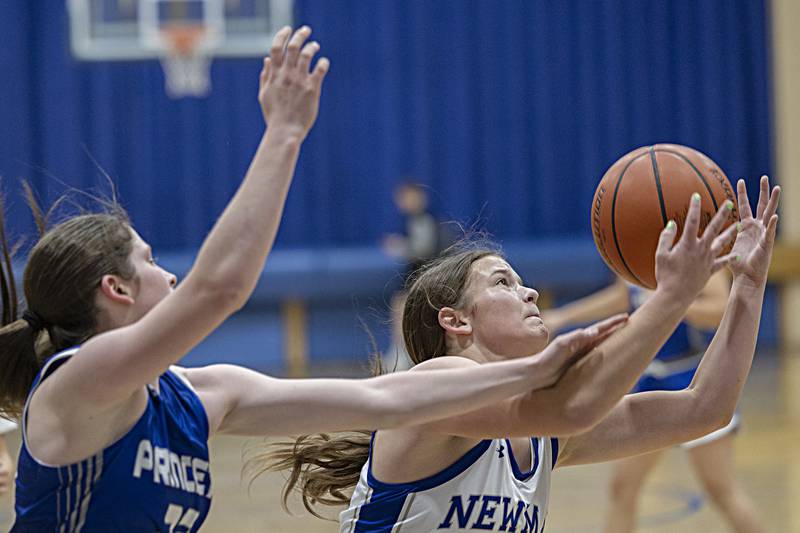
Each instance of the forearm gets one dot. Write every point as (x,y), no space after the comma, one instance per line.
(287,407)
(590,388)
(236,249)
(723,371)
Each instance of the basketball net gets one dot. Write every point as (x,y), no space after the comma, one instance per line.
(186,65)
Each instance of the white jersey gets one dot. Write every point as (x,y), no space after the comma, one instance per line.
(484,490)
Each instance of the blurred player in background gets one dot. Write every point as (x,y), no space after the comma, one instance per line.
(423,239)
(673,369)
(483,469)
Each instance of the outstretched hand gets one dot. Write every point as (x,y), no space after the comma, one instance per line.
(288,91)
(565,350)
(683,267)
(753,246)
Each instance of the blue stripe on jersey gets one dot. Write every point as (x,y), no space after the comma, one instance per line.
(464,462)
(382,511)
(518,473)
(554,447)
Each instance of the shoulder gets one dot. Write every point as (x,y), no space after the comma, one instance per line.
(444,362)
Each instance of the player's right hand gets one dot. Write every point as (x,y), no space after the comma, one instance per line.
(683,268)
(288,91)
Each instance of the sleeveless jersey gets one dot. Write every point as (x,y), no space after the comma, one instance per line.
(483,490)
(155,478)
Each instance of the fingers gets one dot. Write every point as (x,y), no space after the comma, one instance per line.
(722,240)
(295,43)
(610,323)
(768,239)
(744,202)
(692,226)
(307,54)
(278,45)
(763,196)
(772,204)
(718,222)
(322,67)
(667,238)
(264,75)
(724,261)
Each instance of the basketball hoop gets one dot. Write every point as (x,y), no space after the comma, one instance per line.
(185,62)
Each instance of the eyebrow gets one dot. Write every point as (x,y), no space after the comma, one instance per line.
(508,273)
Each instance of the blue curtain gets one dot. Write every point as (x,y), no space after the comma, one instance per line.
(510,110)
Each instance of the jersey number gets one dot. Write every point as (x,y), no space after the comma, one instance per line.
(176,517)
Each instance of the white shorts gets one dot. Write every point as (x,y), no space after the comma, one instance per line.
(732,427)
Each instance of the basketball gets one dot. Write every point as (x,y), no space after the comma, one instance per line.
(640,193)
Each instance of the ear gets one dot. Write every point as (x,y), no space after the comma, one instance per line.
(116,289)
(454,321)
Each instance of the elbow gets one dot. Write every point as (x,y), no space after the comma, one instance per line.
(712,415)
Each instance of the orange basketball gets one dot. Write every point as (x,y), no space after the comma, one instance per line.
(644,190)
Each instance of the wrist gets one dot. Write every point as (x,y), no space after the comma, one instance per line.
(745,287)
(669,300)
(285,134)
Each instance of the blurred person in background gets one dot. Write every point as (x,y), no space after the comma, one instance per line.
(673,369)
(423,239)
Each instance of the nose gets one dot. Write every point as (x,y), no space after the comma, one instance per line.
(530,295)
(172,278)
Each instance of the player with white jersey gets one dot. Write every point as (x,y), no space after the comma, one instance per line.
(115,436)
(470,308)
(485,489)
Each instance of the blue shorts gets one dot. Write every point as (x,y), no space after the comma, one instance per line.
(674,374)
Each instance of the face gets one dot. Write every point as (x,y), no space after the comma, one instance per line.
(152,283)
(410,200)
(502,311)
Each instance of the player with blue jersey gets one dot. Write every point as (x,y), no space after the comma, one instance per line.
(114,435)
(673,369)
(482,469)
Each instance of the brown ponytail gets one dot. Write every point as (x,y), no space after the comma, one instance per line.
(324,468)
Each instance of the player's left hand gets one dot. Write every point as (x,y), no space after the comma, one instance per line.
(568,349)
(756,237)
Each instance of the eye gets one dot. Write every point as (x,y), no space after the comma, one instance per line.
(152,260)
(502,281)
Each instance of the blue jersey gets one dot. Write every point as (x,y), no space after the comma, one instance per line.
(686,341)
(155,478)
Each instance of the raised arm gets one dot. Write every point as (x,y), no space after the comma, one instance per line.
(232,257)
(590,388)
(651,420)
